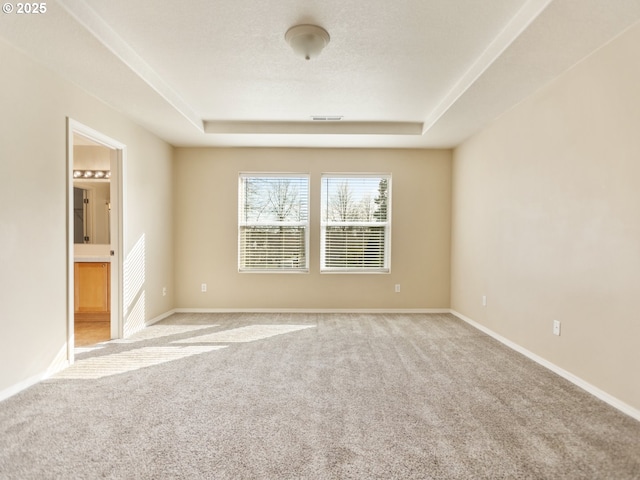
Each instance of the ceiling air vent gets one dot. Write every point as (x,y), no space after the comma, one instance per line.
(326,118)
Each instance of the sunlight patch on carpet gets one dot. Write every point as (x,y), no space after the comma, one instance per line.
(158,331)
(93,348)
(249,333)
(98,367)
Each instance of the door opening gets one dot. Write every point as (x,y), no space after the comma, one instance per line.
(94,226)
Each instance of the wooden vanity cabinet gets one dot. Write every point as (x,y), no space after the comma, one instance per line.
(92,287)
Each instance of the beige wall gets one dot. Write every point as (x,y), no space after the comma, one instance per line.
(546,222)
(206,192)
(34,105)
(89,157)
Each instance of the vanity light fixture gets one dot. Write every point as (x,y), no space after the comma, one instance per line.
(92,174)
(306,40)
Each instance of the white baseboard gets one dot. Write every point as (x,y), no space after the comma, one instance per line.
(59,363)
(586,386)
(148,323)
(312,310)
(23,385)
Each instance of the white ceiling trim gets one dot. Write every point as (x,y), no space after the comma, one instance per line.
(88,18)
(314,127)
(518,24)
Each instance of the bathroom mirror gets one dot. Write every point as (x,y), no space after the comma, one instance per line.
(91,211)
(91,192)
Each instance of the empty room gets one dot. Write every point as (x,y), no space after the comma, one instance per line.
(327,240)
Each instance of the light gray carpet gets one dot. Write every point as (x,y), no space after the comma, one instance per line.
(326,396)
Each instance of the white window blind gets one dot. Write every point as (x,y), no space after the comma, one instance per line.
(273,222)
(356,223)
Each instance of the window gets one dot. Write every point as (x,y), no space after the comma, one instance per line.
(356,223)
(273,223)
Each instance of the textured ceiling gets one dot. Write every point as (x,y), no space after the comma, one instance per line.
(409,73)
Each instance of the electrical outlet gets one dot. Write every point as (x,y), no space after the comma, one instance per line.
(397,288)
(164,291)
(484,300)
(203,287)
(556,327)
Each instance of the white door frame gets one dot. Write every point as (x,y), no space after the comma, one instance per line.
(118,156)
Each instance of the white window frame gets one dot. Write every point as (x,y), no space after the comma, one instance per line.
(324,223)
(242,224)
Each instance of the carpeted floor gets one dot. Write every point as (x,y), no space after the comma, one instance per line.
(318,396)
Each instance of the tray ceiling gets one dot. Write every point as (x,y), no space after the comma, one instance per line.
(406,74)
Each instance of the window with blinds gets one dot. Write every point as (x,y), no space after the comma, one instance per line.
(273,223)
(356,223)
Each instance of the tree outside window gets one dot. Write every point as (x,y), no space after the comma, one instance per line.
(273,223)
(356,225)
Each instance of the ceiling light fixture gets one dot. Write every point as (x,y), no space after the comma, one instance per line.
(307,41)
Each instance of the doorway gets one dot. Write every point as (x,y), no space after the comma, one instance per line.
(94,226)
